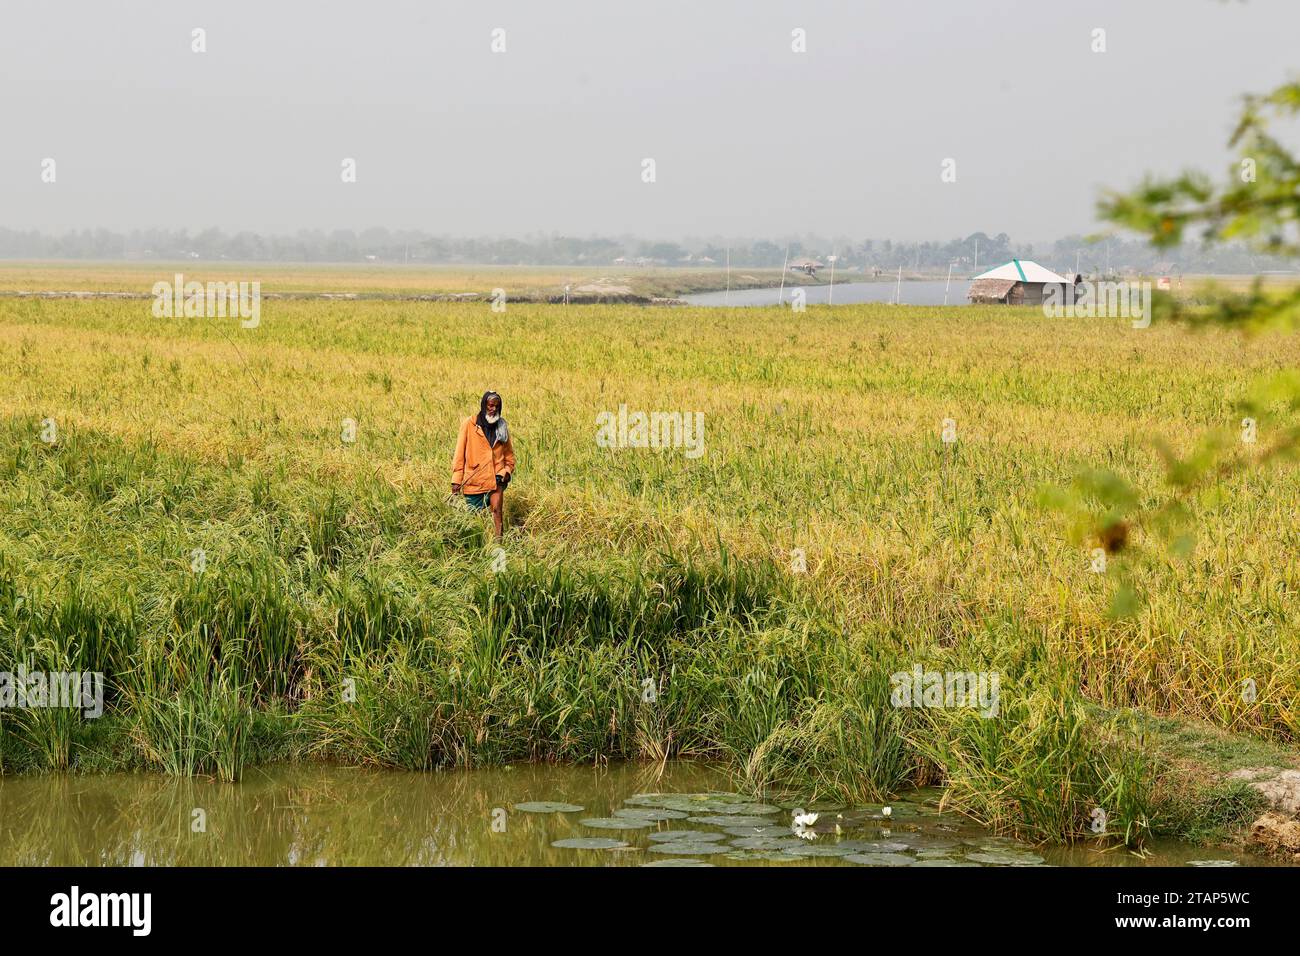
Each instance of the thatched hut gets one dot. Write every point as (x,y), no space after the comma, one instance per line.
(1018,282)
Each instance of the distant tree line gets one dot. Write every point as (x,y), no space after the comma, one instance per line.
(414,246)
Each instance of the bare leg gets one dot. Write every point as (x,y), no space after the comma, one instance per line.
(494,502)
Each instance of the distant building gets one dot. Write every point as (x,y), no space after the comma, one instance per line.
(1018,282)
(809,266)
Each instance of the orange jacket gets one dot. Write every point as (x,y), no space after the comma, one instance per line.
(475,464)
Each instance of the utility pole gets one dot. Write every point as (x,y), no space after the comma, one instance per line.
(830,293)
(945,288)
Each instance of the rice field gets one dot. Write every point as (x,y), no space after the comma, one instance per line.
(749,604)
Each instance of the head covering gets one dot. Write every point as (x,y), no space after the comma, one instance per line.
(495,432)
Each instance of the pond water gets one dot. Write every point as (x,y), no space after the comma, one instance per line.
(922,292)
(626,815)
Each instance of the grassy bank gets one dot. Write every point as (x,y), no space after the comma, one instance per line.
(648,605)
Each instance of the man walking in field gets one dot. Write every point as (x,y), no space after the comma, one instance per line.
(484,459)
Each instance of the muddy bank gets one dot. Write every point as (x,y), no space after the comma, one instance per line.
(1277,832)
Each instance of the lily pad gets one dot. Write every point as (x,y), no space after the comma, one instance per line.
(653,814)
(689,848)
(697,806)
(687,836)
(687,862)
(649,799)
(862,846)
(543,806)
(747,809)
(617,823)
(921,841)
(1005,857)
(933,843)
(992,843)
(695,802)
(728,821)
(880,859)
(943,861)
(814,849)
(772,831)
(672,800)
(589,843)
(877,846)
(767,843)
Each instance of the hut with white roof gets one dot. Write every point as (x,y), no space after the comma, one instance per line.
(1018,282)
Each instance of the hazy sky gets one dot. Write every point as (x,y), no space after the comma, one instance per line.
(749,138)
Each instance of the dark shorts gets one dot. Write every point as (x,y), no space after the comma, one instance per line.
(479,502)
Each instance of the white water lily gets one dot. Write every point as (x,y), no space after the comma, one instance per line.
(802,825)
(886,811)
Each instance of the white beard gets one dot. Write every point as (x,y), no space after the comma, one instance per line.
(492,419)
